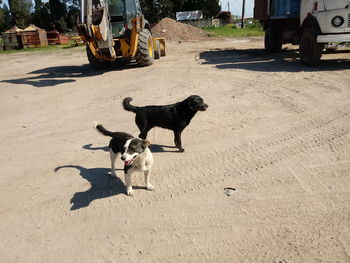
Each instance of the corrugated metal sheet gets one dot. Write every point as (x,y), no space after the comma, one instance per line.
(189,15)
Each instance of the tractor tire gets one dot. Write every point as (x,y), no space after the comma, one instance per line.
(157,53)
(96,63)
(273,40)
(310,51)
(145,51)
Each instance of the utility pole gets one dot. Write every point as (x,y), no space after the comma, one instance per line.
(228,5)
(243,7)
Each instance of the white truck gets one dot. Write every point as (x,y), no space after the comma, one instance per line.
(311,24)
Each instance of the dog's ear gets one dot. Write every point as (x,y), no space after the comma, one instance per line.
(145,143)
(192,103)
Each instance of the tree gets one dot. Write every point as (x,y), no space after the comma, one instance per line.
(20,12)
(164,8)
(178,4)
(209,8)
(73,13)
(58,13)
(5,18)
(41,16)
(155,10)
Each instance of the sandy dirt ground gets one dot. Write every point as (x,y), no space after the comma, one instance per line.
(277,132)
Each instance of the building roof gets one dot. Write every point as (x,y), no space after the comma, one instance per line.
(14,29)
(32,27)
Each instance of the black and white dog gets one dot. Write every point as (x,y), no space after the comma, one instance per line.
(135,154)
(174,117)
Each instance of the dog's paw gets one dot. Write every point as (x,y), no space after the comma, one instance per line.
(130,192)
(113,174)
(150,187)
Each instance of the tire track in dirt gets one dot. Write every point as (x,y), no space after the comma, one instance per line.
(175,179)
(305,177)
(291,142)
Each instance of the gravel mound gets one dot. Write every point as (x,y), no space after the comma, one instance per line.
(172,30)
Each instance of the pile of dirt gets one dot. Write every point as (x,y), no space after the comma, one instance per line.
(172,30)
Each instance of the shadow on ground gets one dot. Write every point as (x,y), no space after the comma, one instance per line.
(157,148)
(102,185)
(259,60)
(53,76)
(91,148)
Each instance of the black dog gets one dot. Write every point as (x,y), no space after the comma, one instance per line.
(174,117)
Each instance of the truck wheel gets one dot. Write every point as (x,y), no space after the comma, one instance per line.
(95,62)
(273,40)
(310,51)
(145,51)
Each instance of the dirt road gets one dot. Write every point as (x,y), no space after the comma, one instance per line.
(275,131)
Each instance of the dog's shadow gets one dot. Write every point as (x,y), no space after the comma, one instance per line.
(91,148)
(102,185)
(158,148)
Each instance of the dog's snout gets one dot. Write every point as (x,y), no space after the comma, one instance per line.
(204,107)
(123,158)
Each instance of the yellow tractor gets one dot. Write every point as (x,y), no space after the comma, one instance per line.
(117,29)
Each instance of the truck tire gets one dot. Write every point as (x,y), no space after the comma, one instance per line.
(273,40)
(96,63)
(145,51)
(310,51)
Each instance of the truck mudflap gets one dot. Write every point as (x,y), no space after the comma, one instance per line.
(333,38)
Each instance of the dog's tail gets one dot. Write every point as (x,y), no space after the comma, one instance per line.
(102,130)
(127,106)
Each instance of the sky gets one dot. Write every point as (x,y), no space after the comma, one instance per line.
(235,6)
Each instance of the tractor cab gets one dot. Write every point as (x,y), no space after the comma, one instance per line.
(121,13)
